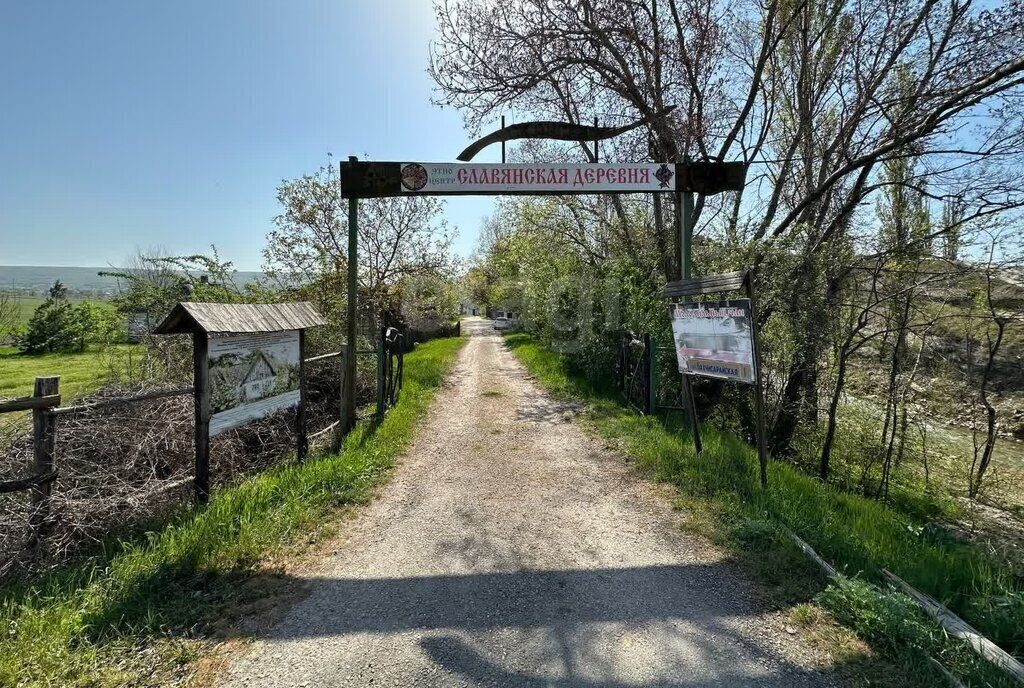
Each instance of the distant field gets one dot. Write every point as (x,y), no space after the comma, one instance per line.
(28,304)
(79,373)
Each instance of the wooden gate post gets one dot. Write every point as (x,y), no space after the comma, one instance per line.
(201,396)
(44,436)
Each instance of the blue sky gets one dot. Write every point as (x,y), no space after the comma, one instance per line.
(127,125)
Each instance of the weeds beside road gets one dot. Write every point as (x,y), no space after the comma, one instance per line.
(720,492)
(138,615)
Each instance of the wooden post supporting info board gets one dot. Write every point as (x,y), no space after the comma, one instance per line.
(719,339)
(248,362)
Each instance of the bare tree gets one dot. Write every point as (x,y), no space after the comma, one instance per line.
(399,238)
(818,95)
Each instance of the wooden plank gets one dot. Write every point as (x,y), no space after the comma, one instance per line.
(706,285)
(29,403)
(120,401)
(326,430)
(27,483)
(959,628)
(809,551)
(322,357)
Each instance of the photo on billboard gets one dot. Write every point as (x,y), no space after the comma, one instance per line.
(714,339)
(251,376)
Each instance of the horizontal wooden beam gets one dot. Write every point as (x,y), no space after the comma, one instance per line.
(107,403)
(27,483)
(29,403)
(958,628)
(330,427)
(363,179)
(708,284)
(322,357)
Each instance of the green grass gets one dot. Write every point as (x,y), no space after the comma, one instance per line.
(720,491)
(134,616)
(80,373)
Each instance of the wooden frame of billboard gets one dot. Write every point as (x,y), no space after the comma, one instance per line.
(711,284)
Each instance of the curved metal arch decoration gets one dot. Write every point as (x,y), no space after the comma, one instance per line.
(560,131)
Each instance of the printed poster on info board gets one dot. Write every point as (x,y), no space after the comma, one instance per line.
(714,339)
(251,376)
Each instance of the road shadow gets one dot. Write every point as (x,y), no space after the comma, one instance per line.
(499,629)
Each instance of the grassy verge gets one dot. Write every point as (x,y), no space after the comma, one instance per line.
(138,616)
(719,491)
(80,373)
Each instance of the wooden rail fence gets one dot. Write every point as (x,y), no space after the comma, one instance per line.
(45,406)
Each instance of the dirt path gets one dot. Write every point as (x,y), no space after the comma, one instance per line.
(513,550)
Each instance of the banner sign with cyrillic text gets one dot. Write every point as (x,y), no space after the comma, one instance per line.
(382,179)
(501,178)
(714,339)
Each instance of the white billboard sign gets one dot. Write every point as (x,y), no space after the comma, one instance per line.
(714,339)
(251,376)
(527,177)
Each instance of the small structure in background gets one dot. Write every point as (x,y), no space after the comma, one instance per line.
(248,362)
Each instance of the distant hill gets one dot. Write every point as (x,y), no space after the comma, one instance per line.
(79,280)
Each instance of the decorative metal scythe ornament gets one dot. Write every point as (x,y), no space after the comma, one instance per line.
(561,131)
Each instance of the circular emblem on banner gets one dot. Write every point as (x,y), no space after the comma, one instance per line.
(414,176)
(663,175)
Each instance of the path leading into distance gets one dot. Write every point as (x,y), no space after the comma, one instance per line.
(511,549)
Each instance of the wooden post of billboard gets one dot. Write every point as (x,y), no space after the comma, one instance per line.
(762,445)
(201,397)
(44,436)
(301,438)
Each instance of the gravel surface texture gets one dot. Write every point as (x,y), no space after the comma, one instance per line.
(511,549)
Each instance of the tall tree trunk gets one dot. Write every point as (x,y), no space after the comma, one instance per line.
(978,472)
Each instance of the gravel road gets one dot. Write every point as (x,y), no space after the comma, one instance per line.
(511,549)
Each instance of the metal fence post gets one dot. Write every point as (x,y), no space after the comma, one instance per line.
(381,377)
(44,426)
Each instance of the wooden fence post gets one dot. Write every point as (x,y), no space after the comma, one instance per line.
(339,433)
(652,366)
(201,395)
(301,438)
(44,436)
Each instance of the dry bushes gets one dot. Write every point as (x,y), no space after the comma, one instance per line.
(125,465)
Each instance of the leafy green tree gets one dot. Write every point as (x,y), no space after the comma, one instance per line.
(57,325)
